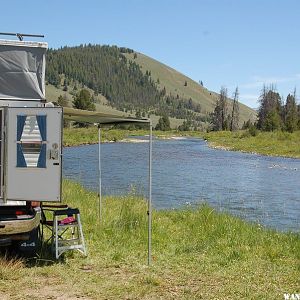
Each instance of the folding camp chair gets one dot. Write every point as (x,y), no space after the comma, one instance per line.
(66,229)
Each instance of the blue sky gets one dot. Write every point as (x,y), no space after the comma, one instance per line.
(229,43)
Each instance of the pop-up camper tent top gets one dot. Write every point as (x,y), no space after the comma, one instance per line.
(31,143)
(107,119)
(22,69)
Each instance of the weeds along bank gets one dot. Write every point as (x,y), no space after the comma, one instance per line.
(89,135)
(196,253)
(275,143)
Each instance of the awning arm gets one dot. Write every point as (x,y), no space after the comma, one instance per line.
(100,175)
(150,198)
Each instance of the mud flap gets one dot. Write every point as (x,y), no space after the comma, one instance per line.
(31,246)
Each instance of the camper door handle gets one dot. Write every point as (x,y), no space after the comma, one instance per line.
(55,164)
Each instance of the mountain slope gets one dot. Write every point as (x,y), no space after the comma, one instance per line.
(101,103)
(174,82)
(131,83)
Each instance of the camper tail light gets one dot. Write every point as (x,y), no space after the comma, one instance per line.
(20,212)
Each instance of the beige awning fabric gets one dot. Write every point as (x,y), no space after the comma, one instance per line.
(92,117)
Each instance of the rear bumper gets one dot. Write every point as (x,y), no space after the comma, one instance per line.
(17,226)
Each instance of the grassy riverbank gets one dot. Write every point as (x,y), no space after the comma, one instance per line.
(81,136)
(267,143)
(196,254)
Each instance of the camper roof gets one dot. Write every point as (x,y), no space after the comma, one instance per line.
(24,43)
(22,70)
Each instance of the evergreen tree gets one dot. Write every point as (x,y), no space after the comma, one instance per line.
(138,114)
(185,126)
(219,118)
(269,114)
(83,100)
(216,117)
(163,123)
(291,113)
(246,125)
(62,101)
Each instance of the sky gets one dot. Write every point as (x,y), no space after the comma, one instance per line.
(244,43)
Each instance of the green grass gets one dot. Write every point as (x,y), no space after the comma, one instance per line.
(81,136)
(267,143)
(197,254)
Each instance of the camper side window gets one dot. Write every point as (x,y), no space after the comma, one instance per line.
(31,141)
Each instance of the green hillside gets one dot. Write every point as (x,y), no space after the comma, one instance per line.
(174,82)
(128,83)
(52,94)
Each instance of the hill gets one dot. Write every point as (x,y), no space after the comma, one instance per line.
(174,82)
(101,103)
(130,83)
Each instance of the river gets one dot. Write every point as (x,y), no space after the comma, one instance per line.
(186,172)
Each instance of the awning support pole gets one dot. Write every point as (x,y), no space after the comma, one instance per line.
(99,169)
(150,198)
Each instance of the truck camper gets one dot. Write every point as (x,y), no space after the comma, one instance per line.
(30,143)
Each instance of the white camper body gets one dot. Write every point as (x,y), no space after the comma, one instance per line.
(31,156)
(30,142)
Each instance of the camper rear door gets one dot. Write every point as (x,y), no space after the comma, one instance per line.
(33,154)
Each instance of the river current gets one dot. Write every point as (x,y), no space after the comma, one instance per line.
(186,172)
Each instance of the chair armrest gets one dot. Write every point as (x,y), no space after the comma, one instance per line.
(54,206)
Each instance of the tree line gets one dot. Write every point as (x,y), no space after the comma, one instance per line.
(274,113)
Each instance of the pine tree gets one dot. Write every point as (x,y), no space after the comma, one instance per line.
(269,114)
(216,117)
(291,113)
(62,101)
(234,124)
(163,123)
(83,100)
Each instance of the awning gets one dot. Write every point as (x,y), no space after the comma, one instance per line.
(92,117)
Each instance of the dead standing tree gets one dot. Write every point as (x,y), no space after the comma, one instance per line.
(234,124)
(223,108)
(219,116)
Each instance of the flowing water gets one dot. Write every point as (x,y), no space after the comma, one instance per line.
(187,172)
